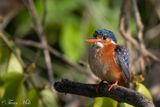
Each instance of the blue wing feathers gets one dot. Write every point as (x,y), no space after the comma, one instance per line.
(122,59)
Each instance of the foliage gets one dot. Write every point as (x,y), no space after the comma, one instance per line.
(103,102)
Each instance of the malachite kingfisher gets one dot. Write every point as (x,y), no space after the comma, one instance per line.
(108,60)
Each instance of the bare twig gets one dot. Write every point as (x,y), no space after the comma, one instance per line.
(140,27)
(118,93)
(39,30)
(124,26)
(139,24)
(152,33)
(124,22)
(53,52)
(28,43)
(10,46)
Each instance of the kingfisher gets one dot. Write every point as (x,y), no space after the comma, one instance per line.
(108,60)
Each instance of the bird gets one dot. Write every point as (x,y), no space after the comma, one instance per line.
(108,60)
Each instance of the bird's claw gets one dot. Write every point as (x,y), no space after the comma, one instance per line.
(98,86)
(113,85)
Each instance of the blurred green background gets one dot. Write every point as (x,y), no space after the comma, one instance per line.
(24,77)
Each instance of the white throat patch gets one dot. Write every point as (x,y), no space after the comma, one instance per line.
(99,44)
(113,42)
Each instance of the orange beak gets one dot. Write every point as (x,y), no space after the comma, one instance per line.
(93,40)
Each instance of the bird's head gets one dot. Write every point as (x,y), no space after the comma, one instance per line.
(102,37)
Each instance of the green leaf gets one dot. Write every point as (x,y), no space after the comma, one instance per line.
(13,85)
(2,88)
(71,40)
(143,90)
(104,102)
(33,98)
(4,58)
(49,98)
(23,23)
(125,105)
(10,61)
(60,10)
(14,64)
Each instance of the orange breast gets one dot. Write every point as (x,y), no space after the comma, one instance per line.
(114,72)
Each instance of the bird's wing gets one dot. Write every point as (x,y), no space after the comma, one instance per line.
(122,59)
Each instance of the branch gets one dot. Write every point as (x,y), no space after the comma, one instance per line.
(53,52)
(124,26)
(39,30)
(152,33)
(118,93)
(140,27)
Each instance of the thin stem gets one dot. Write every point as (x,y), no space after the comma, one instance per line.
(39,30)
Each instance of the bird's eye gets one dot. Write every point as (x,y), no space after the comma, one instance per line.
(104,38)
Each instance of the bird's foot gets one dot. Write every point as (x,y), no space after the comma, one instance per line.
(98,86)
(113,85)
